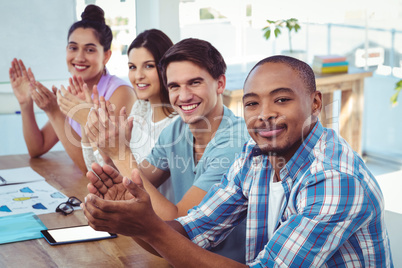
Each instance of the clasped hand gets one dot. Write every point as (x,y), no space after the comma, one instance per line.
(116,204)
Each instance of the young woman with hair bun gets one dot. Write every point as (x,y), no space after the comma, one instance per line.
(88,51)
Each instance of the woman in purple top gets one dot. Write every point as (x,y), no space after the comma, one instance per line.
(88,51)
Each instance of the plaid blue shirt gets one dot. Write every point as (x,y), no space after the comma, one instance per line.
(332,216)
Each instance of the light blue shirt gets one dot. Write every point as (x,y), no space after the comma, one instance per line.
(174,152)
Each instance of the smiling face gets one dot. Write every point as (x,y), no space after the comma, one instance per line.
(194,93)
(85,55)
(278,109)
(143,74)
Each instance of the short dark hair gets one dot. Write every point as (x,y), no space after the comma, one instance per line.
(157,43)
(93,17)
(303,70)
(197,51)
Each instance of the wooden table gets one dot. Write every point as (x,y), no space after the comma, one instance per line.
(59,171)
(348,121)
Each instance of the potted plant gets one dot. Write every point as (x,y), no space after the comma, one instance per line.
(276,26)
(394,98)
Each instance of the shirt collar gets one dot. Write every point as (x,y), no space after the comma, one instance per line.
(255,149)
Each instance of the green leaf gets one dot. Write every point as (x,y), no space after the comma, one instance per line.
(394,99)
(398,88)
(275,26)
(277,31)
(267,34)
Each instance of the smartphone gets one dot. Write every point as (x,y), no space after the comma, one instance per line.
(74,234)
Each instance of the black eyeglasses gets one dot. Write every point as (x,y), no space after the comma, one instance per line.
(68,207)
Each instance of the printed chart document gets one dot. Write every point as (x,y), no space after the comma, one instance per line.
(22,190)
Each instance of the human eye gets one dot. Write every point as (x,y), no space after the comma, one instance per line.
(282,100)
(91,50)
(195,83)
(250,103)
(71,47)
(150,66)
(131,67)
(173,87)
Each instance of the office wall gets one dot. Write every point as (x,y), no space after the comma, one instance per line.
(159,14)
(35,31)
(381,122)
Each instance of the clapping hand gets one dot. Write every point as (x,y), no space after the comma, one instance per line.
(109,132)
(44,98)
(106,183)
(76,101)
(116,204)
(22,81)
(79,88)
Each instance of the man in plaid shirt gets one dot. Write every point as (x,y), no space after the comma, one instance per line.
(308,198)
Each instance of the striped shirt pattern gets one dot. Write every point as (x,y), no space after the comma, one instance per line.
(332,215)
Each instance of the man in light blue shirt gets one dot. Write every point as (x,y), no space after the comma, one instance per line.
(195,150)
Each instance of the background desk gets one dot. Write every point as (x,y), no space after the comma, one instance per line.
(61,173)
(348,121)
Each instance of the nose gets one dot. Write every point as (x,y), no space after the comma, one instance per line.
(139,74)
(80,56)
(185,94)
(267,113)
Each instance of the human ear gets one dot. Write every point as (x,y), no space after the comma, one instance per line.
(221,84)
(317,103)
(108,54)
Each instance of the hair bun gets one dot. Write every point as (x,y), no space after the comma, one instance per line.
(93,13)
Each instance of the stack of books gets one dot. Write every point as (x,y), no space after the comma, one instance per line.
(327,64)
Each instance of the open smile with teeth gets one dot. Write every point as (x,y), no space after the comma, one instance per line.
(142,85)
(80,67)
(189,107)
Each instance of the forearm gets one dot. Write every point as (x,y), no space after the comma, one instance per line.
(124,161)
(174,224)
(88,151)
(146,246)
(171,242)
(68,137)
(85,141)
(88,155)
(165,209)
(37,143)
(81,115)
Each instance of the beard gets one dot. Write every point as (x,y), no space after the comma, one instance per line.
(286,146)
(273,151)
(285,150)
